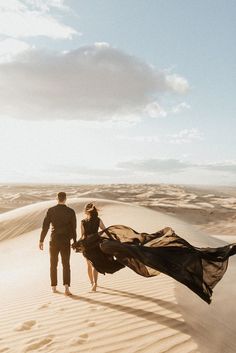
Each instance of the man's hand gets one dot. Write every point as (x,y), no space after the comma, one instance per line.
(41,246)
(73,246)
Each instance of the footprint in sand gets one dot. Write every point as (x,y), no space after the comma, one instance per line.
(4,349)
(91,323)
(37,344)
(83,335)
(44,306)
(79,340)
(27,325)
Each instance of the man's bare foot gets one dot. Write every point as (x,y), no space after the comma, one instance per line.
(94,287)
(67,290)
(54,289)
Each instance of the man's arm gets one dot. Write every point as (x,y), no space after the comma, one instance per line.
(73,226)
(46,225)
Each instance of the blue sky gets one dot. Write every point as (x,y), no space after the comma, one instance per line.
(118,91)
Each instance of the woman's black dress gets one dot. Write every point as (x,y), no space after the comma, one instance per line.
(91,239)
(200,269)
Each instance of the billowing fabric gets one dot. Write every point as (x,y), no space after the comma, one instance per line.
(200,269)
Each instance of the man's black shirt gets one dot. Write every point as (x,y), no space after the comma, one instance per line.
(63,222)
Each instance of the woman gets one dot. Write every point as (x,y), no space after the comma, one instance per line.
(200,269)
(90,226)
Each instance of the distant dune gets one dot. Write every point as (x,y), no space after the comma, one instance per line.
(213,210)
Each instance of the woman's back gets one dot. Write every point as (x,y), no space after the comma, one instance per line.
(90,225)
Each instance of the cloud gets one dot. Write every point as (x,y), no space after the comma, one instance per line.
(95,82)
(179,108)
(10,47)
(171,165)
(101,45)
(28,18)
(141,139)
(47,5)
(185,136)
(177,83)
(154,110)
(155,165)
(228,167)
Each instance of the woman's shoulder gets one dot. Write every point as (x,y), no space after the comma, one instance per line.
(87,220)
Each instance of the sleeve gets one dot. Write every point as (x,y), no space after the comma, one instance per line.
(45,227)
(74,225)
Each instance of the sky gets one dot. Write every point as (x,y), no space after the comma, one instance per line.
(118,91)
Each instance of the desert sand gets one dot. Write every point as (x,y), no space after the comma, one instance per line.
(128,313)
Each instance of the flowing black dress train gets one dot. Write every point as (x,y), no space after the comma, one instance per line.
(200,269)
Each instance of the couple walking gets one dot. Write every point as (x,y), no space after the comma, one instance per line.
(63,229)
(119,246)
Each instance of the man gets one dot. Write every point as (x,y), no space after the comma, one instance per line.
(63,221)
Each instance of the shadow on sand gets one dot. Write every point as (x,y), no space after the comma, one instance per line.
(153,316)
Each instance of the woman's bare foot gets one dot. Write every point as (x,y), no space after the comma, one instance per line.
(94,287)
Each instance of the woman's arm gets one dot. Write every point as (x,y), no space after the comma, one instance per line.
(101,225)
(82,231)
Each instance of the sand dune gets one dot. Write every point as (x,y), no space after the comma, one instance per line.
(211,209)
(129,313)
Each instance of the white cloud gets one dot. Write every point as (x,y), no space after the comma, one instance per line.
(90,83)
(28,18)
(185,136)
(172,165)
(47,5)
(177,83)
(101,44)
(9,48)
(179,108)
(141,139)
(155,165)
(227,166)
(154,110)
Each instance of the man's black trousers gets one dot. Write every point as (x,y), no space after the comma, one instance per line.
(64,250)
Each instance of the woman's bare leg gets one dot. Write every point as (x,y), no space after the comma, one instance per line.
(90,272)
(95,280)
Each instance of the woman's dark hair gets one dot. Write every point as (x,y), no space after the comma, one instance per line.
(91,210)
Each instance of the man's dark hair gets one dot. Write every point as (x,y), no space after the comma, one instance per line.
(61,196)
